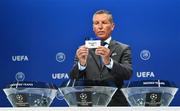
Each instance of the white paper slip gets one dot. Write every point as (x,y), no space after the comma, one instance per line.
(92,43)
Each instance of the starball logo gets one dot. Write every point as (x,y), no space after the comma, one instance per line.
(20,58)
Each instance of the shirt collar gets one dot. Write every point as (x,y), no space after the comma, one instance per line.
(108,40)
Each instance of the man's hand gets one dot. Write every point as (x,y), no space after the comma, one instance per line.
(104,53)
(82,54)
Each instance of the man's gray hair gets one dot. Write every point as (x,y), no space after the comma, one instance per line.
(105,12)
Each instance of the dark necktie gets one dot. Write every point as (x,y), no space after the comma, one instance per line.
(103,43)
(100,58)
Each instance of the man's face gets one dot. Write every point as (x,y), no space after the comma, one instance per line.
(102,26)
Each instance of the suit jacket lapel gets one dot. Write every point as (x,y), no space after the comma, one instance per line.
(112,46)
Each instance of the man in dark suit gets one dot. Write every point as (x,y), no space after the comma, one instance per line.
(109,62)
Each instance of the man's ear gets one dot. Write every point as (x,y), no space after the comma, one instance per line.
(113,25)
(93,28)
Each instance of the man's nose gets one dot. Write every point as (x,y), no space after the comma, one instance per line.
(100,26)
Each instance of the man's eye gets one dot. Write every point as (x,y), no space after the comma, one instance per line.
(95,23)
(105,22)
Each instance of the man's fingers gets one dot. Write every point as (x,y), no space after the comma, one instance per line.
(99,52)
(102,51)
(81,50)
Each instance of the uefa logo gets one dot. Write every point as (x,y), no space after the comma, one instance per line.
(20,76)
(60,57)
(145,54)
(83,96)
(59,95)
(153,97)
(19,97)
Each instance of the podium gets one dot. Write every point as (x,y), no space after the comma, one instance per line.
(30,94)
(87,93)
(150,93)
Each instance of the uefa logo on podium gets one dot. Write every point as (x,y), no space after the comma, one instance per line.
(83,96)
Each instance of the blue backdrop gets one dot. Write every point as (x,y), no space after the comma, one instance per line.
(38,38)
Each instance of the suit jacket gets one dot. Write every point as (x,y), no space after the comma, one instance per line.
(95,70)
